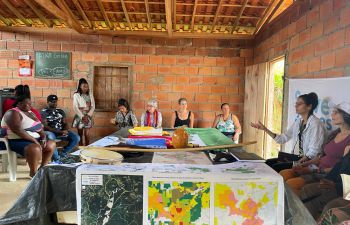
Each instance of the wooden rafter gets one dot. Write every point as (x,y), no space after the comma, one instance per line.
(266,15)
(194,14)
(221,16)
(125,13)
(274,11)
(16,12)
(38,13)
(3,19)
(174,14)
(71,19)
(218,9)
(104,14)
(168,17)
(52,8)
(239,15)
(82,13)
(148,15)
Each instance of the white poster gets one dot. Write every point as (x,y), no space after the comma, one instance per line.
(335,90)
(135,194)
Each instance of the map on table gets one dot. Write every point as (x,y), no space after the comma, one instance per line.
(178,203)
(111,199)
(175,194)
(246,203)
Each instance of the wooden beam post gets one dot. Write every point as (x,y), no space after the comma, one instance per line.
(193,14)
(218,9)
(71,20)
(3,19)
(52,8)
(168,17)
(16,12)
(126,14)
(174,14)
(148,15)
(266,15)
(239,16)
(82,13)
(38,13)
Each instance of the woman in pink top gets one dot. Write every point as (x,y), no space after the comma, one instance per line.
(338,145)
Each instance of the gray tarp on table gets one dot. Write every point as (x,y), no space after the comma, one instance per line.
(53,190)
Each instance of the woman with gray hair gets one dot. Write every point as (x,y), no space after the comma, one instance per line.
(152,117)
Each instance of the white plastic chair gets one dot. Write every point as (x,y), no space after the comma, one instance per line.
(9,161)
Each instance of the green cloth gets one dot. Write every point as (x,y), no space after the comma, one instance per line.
(210,136)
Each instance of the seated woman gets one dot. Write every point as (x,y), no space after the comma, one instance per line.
(152,117)
(227,123)
(19,90)
(26,135)
(337,146)
(183,117)
(307,132)
(124,118)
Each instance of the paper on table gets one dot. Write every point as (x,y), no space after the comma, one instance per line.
(346,186)
(106,141)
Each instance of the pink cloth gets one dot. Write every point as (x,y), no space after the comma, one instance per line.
(333,152)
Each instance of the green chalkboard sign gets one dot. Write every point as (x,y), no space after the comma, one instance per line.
(53,65)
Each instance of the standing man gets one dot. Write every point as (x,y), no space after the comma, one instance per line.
(56,127)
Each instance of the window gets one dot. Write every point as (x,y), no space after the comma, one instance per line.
(110,84)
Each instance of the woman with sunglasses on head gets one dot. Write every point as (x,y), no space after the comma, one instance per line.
(152,117)
(307,132)
(183,117)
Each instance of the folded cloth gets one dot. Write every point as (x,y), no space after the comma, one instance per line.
(166,138)
(146,131)
(153,143)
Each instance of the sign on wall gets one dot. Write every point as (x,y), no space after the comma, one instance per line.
(53,65)
(334,90)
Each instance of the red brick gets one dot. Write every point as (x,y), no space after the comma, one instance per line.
(8,36)
(308,50)
(135,50)
(152,87)
(94,48)
(335,73)
(143,77)
(342,57)
(301,24)
(313,16)
(347,36)
(102,58)
(3,63)
(296,55)
(165,87)
(22,36)
(345,17)
(304,37)
(42,83)
(169,60)
(108,48)
(148,50)
(56,83)
(327,61)
(209,61)
(326,9)
(209,80)
(302,67)
(188,51)
(122,49)
(3,82)
(223,61)
(182,79)
(83,67)
(330,25)
(231,71)
(169,79)
(294,42)
(196,60)
(64,93)
(54,46)
(218,89)
(191,70)
(40,46)
(205,71)
(316,31)
(183,60)
(13,82)
(246,53)
(223,80)
(115,58)
(80,47)
(321,46)
(105,39)
(313,65)
(196,79)
(189,90)
(154,59)
(218,70)
(150,69)
(67,47)
(2,44)
(127,58)
(142,59)
(69,84)
(162,51)
(164,69)
(179,88)
(161,96)
(336,40)
(204,107)
(291,29)
(36,92)
(138,68)
(13,45)
(177,70)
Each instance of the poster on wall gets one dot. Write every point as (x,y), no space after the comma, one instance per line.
(25,66)
(334,90)
(148,194)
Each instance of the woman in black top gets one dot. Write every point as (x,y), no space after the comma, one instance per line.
(183,117)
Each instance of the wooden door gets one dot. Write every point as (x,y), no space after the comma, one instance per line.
(256,84)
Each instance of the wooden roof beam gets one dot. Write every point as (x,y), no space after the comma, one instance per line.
(82,13)
(168,17)
(52,8)
(174,14)
(239,15)
(3,19)
(148,15)
(71,20)
(218,9)
(125,13)
(16,12)
(266,15)
(194,14)
(38,13)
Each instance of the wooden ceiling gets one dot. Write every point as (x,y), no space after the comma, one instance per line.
(234,19)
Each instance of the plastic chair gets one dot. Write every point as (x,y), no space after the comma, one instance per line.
(11,160)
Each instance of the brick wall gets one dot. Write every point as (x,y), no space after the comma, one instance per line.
(206,72)
(314,36)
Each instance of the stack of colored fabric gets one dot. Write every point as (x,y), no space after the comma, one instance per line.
(148,137)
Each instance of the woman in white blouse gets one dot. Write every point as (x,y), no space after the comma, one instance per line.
(152,117)
(308,134)
(84,107)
